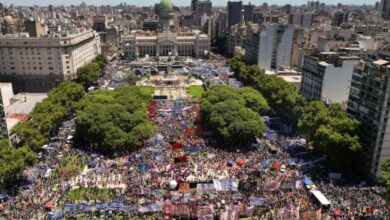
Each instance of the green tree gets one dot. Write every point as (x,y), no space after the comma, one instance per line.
(332,132)
(282,96)
(386,176)
(114,121)
(102,60)
(88,74)
(234,114)
(66,94)
(13,162)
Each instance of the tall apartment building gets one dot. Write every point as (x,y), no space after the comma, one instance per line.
(233,13)
(99,23)
(368,102)
(340,18)
(301,19)
(249,12)
(3,119)
(252,45)
(275,47)
(326,76)
(36,64)
(199,8)
(384,9)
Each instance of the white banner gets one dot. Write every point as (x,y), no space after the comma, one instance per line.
(226,185)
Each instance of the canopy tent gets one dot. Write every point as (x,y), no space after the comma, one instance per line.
(56,215)
(49,205)
(92,164)
(192,149)
(184,187)
(181,159)
(265,162)
(307,181)
(101,206)
(116,205)
(69,208)
(321,198)
(177,146)
(336,212)
(143,167)
(240,162)
(86,207)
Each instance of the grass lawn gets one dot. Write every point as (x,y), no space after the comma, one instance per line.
(147,89)
(195,91)
(88,194)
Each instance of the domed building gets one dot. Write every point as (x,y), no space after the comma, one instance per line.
(164,10)
(166,6)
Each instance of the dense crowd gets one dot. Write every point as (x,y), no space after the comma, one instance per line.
(183,172)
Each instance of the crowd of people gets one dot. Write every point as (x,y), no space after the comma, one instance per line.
(183,172)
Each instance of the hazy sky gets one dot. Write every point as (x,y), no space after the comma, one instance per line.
(175,2)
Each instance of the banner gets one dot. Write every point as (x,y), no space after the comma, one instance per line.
(226,185)
(257,201)
(204,187)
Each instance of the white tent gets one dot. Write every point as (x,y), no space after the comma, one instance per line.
(321,198)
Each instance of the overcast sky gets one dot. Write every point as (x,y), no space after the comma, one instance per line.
(175,2)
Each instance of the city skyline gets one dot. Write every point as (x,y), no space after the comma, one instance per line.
(175,2)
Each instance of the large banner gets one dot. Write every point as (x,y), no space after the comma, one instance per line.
(226,185)
(257,201)
(204,187)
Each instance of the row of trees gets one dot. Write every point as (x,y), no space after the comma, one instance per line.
(234,114)
(89,73)
(114,121)
(30,135)
(332,132)
(43,122)
(328,128)
(282,96)
(47,116)
(12,162)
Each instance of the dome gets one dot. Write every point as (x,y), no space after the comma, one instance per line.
(166,5)
(8,20)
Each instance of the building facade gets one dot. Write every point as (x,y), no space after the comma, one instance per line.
(368,102)
(36,64)
(233,13)
(140,44)
(200,8)
(275,47)
(326,77)
(384,9)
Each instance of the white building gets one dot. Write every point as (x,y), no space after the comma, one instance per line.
(326,76)
(140,44)
(36,64)
(275,47)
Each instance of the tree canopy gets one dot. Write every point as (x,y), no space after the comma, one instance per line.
(282,96)
(47,116)
(13,161)
(332,132)
(88,74)
(102,60)
(114,121)
(234,114)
